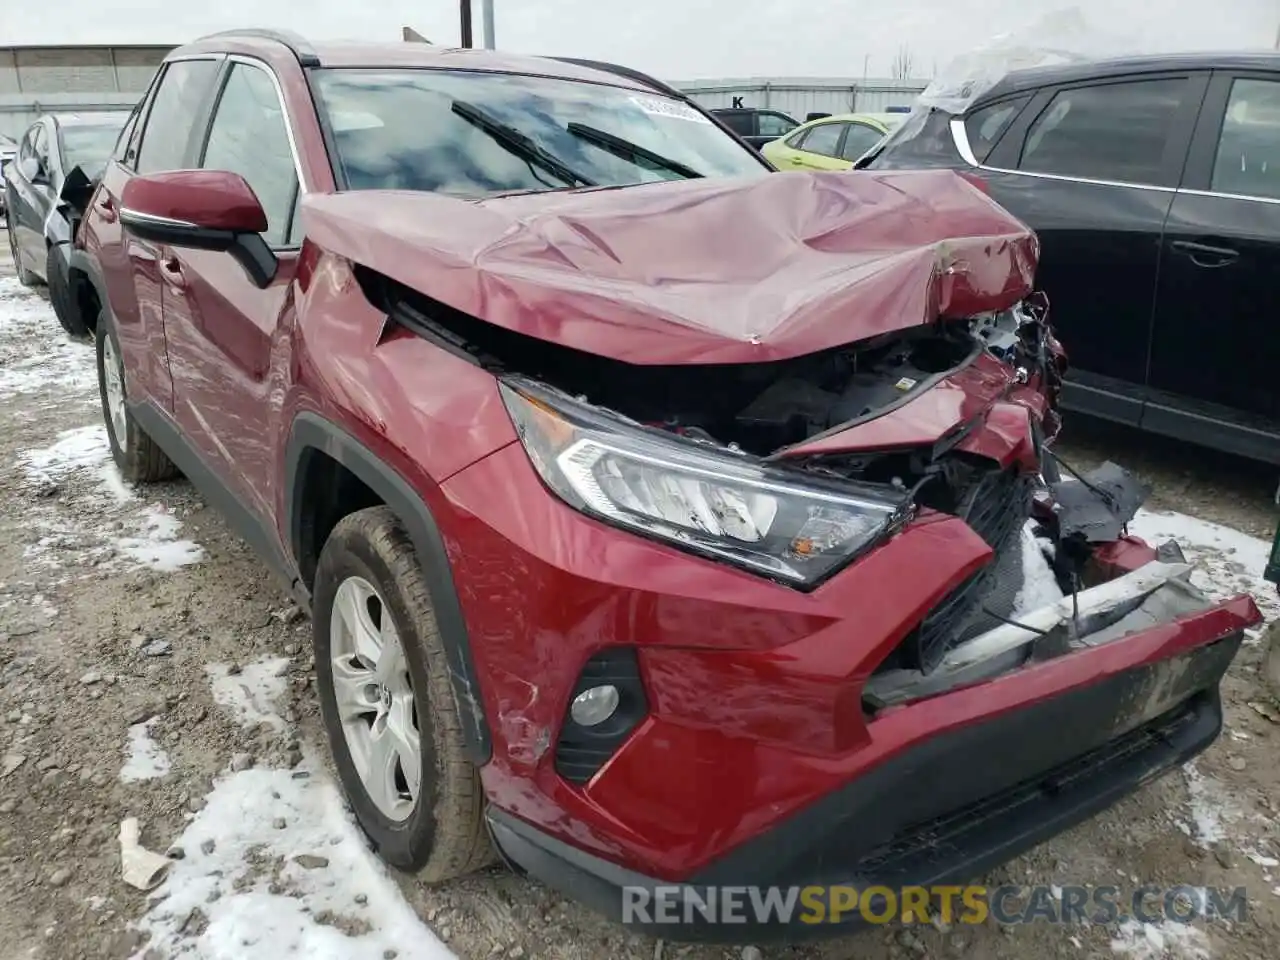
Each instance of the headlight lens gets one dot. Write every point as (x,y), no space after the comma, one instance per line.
(703,498)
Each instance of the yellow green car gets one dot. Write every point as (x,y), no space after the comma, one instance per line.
(831,143)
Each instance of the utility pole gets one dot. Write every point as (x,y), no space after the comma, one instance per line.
(466,23)
(488,24)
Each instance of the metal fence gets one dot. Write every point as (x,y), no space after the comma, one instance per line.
(36,80)
(800,96)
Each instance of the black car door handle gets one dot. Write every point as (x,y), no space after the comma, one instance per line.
(1206,255)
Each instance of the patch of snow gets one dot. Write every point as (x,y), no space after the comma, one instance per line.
(250,695)
(1262,859)
(144,758)
(246,919)
(1228,562)
(110,480)
(36,356)
(1210,805)
(1039,585)
(73,450)
(157,545)
(1166,940)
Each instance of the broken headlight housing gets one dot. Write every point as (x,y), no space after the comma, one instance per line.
(700,497)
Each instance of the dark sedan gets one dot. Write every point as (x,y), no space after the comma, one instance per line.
(1154,185)
(40,223)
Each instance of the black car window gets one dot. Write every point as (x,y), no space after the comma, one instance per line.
(986,125)
(823,139)
(1248,160)
(248,136)
(775,125)
(1114,131)
(737,121)
(173,114)
(472,134)
(90,144)
(859,139)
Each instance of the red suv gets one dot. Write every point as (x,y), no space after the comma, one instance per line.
(665,523)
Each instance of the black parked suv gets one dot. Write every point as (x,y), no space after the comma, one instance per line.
(755,126)
(1154,185)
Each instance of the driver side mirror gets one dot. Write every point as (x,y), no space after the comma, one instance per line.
(201,210)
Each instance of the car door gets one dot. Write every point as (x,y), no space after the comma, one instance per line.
(161,140)
(1215,352)
(220,327)
(1092,168)
(820,148)
(33,197)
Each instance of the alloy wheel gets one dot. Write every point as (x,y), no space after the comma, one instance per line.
(113,377)
(374,696)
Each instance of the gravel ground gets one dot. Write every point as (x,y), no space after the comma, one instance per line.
(149,668)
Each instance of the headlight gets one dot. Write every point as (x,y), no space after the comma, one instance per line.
(700,497)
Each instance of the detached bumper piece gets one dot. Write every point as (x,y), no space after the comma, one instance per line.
(942,812)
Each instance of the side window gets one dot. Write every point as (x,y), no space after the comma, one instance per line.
(41,149)
(823,139)
(173,114)
(986,125)
(248,136)
(28,148)
(739,123)
(774,125)
(1114,131)
(859,140)
(1248,160)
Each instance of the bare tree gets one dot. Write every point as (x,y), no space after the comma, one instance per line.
(903,62)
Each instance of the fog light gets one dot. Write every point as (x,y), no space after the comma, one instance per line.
(594,705)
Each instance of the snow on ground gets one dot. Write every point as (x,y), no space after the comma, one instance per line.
(308,889)
(248,694)
(35,355)
(1166,940)
(144,758)
(151,535)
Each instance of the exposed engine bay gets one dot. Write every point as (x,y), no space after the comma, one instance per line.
(1042,527)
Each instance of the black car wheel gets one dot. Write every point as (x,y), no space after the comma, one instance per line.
(388,703)
(64,303)
(25,277)
(138,457)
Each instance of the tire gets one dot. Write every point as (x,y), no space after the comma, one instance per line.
(25,276)
(441,833)
(65,307)
(138,457)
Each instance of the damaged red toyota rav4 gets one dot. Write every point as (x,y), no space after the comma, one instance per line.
(663,521)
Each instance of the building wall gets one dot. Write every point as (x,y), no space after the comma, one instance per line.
(36,80)
(799,96)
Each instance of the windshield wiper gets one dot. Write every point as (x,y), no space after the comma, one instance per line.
(626,150)
(520,144)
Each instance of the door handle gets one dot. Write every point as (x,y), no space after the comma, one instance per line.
(172,271)
(1206,255)
(796,161)
(106,209)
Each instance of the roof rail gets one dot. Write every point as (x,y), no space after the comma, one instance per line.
(297,44)
(627,72)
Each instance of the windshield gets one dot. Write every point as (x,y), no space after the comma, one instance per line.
(399,130)
(88,144)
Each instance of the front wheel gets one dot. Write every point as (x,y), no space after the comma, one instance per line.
(138,457)
(388,703)
(57,275)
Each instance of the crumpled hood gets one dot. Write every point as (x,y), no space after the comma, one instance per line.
(723,270)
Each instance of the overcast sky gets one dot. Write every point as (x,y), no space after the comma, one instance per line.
(675,39)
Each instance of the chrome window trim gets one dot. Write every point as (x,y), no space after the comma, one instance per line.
(961,138)
(284,111)
(129,215)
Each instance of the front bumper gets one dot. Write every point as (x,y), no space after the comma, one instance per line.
(939,812)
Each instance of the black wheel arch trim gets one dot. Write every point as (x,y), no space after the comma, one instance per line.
(311,431)
(84,263)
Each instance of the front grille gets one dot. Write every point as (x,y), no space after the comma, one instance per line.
(996,507)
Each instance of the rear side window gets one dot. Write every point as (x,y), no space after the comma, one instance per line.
(739,123)
(1248,160)
(923,141)
(859,140)
(1114,131)
(173,114)
(822,139)
(986,125)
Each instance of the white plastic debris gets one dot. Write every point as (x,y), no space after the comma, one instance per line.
(140,867)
